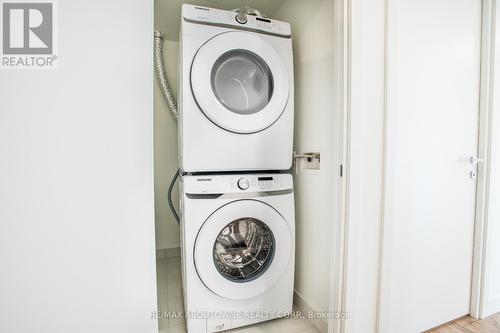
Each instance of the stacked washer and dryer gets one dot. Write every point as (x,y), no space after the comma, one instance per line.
(235,149)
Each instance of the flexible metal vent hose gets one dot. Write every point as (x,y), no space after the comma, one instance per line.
(169,197)
(161,73)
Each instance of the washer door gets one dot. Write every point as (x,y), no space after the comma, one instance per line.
(242,249)
(240,82)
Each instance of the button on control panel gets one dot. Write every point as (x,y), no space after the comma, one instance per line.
(268,182)
(241,18)
(243,183)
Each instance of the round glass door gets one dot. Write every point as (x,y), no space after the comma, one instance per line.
(239,256)
(243,250)
(242,82)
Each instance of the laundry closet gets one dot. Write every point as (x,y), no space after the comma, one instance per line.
(307,190)
(366,198)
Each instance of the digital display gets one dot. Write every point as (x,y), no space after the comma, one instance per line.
(263,19)
(261,179)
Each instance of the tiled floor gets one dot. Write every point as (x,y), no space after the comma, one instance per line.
(170,299)
(471,325)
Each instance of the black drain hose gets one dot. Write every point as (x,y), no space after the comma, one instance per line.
(170,204)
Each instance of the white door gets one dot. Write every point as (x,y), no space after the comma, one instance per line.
(432,131)
(491,292)
(240,82)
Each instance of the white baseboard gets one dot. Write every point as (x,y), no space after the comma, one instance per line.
(320,324)
(491,306)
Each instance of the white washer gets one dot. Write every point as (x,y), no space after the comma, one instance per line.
(236,92)
(237,239)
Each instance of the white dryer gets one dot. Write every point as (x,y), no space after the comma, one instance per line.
(237,238)
(236,92)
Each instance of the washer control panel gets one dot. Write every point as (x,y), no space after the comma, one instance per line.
(212,16)
(259,183)
(236,183)
(243,183)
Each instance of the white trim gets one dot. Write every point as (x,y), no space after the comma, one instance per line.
(384,172)
(342,74)
(364,130)
(349,291)
(484,147)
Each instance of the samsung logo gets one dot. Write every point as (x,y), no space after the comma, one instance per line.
(203,179)
(201,8)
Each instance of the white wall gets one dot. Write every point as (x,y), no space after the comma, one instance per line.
(315,130)
(491,293)
(166,162)
(76,178)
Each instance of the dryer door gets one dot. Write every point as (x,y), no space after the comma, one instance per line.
(239,82)
(242,249)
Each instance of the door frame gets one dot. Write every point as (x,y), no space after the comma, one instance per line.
(342,40)
(340,261)
(342,286)
(484,148)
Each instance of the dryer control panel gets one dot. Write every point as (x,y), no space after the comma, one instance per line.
(236,183)
(211,16)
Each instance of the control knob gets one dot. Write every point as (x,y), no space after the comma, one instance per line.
(243,183)
(241,18)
